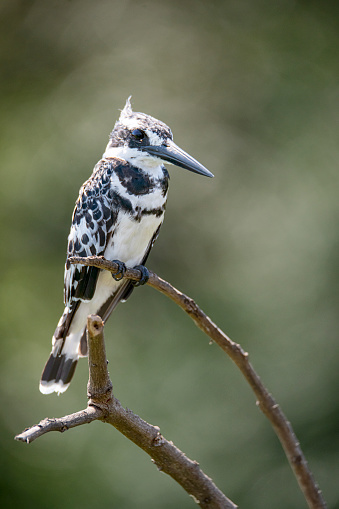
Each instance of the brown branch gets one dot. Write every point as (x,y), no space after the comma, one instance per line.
(265,400)
(102,405)
(62,424)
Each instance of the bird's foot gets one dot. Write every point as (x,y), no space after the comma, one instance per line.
(144,275)
(120,272)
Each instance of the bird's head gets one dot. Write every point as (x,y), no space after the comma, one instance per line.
(143,141)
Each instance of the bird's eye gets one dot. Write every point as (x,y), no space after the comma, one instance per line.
(138,134)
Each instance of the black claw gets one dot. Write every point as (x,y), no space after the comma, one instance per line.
(144,275)
(120,272)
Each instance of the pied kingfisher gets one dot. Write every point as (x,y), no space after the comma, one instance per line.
(118,214)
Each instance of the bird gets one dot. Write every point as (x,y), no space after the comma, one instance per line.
(118,214)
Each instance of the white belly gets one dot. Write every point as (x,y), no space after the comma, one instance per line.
(130,239)
(128,244)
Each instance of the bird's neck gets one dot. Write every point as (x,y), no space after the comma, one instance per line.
(148,164)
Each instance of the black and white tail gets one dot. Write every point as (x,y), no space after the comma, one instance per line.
(59,369)
(70,341)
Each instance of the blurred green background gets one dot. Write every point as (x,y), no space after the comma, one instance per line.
(249,88)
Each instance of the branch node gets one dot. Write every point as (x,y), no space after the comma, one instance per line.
(297,459)
(158,440)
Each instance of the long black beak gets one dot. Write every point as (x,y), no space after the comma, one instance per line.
(175,155)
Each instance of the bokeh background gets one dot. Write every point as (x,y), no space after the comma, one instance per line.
(249,88)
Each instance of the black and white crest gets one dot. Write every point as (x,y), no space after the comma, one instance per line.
(152,131)
(118,214)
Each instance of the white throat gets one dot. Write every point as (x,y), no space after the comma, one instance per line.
(149,164)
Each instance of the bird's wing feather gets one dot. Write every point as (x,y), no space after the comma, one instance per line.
(93,221)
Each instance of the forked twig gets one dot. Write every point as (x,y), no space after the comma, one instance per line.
(265,400)
(103,406)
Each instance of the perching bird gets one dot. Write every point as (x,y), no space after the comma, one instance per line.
(118,214)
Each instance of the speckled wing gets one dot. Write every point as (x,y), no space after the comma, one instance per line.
(92,222)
